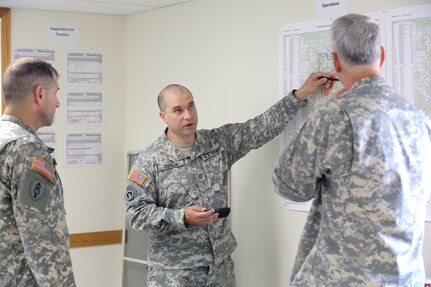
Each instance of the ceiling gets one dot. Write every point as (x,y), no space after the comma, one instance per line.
(112,7)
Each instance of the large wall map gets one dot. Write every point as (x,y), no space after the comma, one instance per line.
(405,35)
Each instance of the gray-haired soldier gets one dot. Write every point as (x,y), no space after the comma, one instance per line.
(34,243)
(176,182)
(365,160)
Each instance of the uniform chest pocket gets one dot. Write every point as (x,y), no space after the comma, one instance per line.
(177,188)
(216,171)
(217,180)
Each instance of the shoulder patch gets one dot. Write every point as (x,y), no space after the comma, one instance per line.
(43,167)
(137,177)
(37,190)
(130,193)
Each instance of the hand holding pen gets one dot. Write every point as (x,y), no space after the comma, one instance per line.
(328,92)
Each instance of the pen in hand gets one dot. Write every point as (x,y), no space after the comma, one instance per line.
(329,78)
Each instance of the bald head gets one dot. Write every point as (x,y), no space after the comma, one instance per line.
(175,89)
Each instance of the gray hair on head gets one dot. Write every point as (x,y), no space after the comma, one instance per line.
(356,39)
(178,89)
(23,75)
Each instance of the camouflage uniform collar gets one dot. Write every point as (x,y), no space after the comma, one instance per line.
(171,149)
(374,80)
(17,121)
(200,146)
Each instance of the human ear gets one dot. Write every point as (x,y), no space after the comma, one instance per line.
(382,55)
(38,94)
(336,62)
(162,116)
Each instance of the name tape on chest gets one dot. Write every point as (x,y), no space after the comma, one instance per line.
(210,154)
(137,177)
(171,165)
(42,167)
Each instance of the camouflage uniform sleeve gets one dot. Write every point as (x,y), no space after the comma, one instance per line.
(322,147)
(39,213)
(254,133)
(142,211)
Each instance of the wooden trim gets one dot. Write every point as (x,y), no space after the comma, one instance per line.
(5,46)
(95,238)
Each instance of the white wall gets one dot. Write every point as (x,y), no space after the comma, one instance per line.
(93,195)
(226,52)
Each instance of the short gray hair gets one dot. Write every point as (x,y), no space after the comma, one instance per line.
(23,75)
(356,39)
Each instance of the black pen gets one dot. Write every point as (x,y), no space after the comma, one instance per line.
(329,78)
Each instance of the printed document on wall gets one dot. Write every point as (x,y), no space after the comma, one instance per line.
(84,107)
(409,53)
(405,34)
(304,48)
(83,148)
(84,68)
(44,54)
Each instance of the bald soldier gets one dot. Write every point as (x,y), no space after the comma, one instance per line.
(34,244)
(176,182)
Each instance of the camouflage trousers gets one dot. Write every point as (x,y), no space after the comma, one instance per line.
(222,275)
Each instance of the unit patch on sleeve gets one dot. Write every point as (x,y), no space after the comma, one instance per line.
(43,167)
(137,177)
(130,193)
(37,190)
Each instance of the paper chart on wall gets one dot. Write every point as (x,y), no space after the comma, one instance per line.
(408,54)
(47,55)
(84,107)
(84,68)
(304,48)
(406,34)
(83,148)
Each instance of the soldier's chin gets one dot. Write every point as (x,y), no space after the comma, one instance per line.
(48,123)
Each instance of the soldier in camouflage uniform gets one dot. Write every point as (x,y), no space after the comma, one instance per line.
(175,184)
(34,245)
(364,158)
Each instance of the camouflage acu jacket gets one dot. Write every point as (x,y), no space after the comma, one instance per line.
(34,245)
(365,160)
(163,182)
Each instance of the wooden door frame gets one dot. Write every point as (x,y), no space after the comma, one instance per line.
(5,46)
